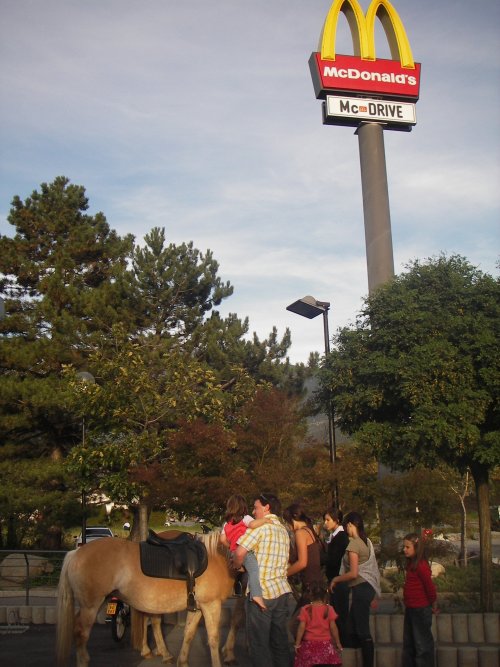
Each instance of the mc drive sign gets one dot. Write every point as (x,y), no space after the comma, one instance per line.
(352,110)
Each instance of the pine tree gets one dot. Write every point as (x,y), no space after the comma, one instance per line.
(62,276)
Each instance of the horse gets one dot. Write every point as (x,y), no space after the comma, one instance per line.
(112,566)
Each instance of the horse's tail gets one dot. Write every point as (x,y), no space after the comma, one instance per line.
(65,614)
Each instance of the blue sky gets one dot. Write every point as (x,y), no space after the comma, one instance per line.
(200,117)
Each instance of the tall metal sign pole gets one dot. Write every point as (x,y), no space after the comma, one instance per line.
(372,95)
(377,215)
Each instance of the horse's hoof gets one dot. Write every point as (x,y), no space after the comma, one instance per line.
(228,659)
(169,658)
(147,656)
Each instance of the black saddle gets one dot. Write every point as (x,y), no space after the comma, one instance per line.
(182,557)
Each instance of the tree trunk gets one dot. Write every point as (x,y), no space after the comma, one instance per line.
(143,520)
(481,479)
(463,533)
(140,522)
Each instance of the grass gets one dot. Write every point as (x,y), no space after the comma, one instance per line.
(458,589)
(463,579)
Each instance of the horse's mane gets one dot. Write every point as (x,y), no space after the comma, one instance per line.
(212,542)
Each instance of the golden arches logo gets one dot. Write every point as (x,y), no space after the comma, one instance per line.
(363,31)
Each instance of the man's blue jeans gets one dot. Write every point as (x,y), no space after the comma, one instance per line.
(267,633)
(418,642)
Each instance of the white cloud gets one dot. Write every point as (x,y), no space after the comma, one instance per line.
(200,117)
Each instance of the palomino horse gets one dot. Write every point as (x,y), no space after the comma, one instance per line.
(112,565)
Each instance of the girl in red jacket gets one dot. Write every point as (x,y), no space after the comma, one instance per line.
(420,602)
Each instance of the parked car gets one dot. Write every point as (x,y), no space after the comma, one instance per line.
(93,533)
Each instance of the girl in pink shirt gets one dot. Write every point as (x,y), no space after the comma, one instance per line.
(317,641)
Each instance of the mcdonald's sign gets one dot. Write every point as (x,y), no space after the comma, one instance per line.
(363,73)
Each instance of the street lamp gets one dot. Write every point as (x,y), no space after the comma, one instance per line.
(310,307)
(84,377)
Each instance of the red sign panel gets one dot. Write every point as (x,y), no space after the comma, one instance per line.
(383,78)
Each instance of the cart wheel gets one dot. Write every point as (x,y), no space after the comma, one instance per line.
(120,621)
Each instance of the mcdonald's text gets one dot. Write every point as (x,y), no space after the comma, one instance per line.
(385,78)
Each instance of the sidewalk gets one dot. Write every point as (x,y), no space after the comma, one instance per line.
(462,640)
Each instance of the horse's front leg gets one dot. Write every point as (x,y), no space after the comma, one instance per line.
(192,620)
(211,614)
(161,647)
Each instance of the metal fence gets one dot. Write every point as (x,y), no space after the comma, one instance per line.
(28,570)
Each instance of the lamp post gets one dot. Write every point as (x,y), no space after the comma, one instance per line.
(85,377)
(310,307)
(2,308)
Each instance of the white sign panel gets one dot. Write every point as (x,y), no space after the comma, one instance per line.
(375,110)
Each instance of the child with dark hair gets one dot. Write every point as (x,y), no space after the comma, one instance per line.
(317,641)
(419,596)
(236,524)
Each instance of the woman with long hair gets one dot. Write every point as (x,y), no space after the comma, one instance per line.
(308,549)
(336,544)
(363,577)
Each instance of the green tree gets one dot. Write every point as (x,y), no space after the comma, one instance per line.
(417,379)
(418,498)
(145,390)
(61,281)
(176,285)
(34,504)
(68,280)
(175,292)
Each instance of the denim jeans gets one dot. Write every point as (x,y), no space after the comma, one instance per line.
(358,622)
(252,567)
(267,632)
(339,600)
(418,642)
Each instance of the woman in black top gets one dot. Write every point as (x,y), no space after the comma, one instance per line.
(335,547)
